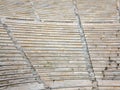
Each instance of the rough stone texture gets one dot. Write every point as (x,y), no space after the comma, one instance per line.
(59,44)
(98,11)
(27,86)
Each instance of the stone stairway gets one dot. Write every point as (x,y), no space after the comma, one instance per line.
(59,45)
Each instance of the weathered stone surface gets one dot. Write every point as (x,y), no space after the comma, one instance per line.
(59,44)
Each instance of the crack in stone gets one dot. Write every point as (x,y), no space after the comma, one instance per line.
(19,48)
(85,48)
